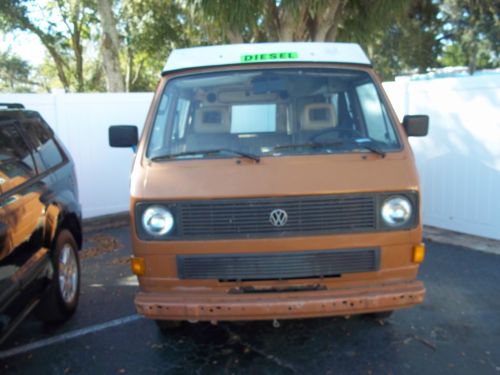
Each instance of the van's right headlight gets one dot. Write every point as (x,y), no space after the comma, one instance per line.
(157,220)
(396,211)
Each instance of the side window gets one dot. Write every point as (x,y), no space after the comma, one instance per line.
(376,118)
(343,109)
(16,163)
(181,118)
(45,146)
(160,125)
(334,99)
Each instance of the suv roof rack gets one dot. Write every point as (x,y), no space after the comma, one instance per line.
(12,105)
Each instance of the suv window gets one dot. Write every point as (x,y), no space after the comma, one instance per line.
(48,155)
(16,162)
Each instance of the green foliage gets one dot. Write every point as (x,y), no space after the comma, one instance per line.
(473,26)
(15,74)
(410,43)
(150,29)
(400,36)
(364,18)
(61,26)
(453,55)
(222,20)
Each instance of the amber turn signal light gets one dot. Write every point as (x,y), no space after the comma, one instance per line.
(137,265)
(418,253)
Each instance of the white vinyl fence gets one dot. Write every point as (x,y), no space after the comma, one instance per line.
(81,121)
(459,161)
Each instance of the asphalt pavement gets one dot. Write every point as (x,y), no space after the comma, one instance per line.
(455,331)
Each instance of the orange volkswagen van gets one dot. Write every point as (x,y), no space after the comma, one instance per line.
(273,181)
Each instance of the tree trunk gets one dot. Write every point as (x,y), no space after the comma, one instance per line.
(130,59)
(110,48)
(73,19)
(130,69)
(472,63)
(58,60)
(78,51)
(287,25)
(234,36)
(271,21)
(137,73)
(472,52)
(331,35)
(328,20)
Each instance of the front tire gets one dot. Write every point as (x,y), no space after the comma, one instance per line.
(61,298)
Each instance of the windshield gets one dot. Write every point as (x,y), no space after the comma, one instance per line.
(271,112)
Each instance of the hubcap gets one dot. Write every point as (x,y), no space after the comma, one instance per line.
(68,273)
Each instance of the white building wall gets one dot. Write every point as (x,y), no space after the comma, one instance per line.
(459,161)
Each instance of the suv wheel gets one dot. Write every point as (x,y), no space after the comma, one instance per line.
(61,298)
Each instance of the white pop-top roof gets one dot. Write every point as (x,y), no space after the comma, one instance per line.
(231,54)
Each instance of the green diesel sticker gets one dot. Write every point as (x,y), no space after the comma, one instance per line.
(269,56)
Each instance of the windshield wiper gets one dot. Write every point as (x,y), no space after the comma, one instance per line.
(365,143)
(368,144)
(207,152)
(308,145)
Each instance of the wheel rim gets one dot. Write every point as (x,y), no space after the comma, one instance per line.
(68,273)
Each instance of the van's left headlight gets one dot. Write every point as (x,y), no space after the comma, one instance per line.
(157,220)
(396,211)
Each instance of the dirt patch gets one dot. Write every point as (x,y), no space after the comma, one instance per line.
(486,245)
(120,261)
(102,244)
(106,222)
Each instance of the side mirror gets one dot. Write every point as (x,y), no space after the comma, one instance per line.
(123,136)
(416,125)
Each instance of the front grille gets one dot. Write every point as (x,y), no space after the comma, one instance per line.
(277,266)
(251,217)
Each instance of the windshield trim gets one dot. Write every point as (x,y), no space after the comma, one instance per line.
(260,65)
(362,152)
(219,151)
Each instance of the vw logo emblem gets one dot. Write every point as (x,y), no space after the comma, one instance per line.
(278,217)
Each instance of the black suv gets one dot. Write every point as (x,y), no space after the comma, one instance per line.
(40,222)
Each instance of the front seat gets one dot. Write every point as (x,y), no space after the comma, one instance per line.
(317,117)
(212,126)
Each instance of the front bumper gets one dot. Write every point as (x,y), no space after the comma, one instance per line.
(289,305)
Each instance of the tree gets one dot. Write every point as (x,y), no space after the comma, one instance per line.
(136,37)
(150,29)
(15,74)
(75,15)
(110,47)
(60,29)
(234,21)
(473,27)
(411,42)
(295,20)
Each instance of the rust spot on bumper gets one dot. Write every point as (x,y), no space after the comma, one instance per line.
(219,306)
